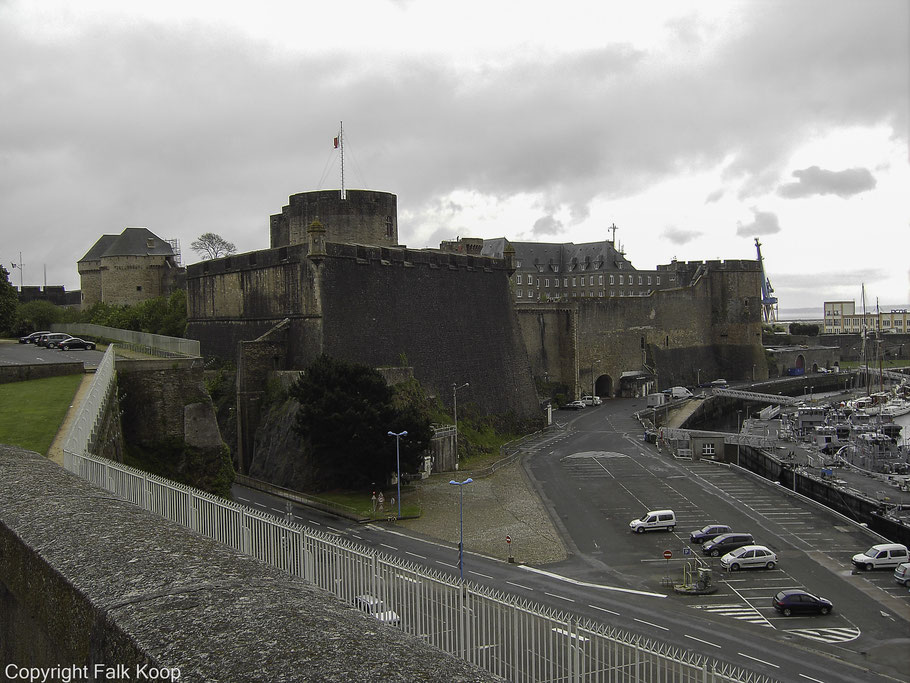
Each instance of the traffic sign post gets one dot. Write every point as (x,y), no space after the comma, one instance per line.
(509,542)
(667,555)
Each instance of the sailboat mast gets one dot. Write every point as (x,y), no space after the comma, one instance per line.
(341,144)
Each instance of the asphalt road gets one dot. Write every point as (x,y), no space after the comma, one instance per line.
(13,353)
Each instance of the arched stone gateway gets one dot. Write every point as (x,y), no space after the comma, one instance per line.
(801,362)
(603,387)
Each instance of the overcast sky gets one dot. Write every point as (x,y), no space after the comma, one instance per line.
(693,126)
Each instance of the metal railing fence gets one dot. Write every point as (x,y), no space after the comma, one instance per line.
(512,638)
(152,344)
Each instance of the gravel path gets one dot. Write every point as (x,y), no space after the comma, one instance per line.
(502,504)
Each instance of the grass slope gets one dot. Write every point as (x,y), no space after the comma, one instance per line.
(31,412)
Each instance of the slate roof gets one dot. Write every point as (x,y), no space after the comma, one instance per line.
(131,242)
(568,256)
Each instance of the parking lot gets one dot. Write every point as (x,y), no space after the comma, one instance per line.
(13,353)
(813,545)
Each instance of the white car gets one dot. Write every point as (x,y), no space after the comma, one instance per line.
(373,605)
(575,405)
(748,556)
(591,400)
(882,556)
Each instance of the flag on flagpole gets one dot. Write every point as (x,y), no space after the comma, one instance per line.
(336,143)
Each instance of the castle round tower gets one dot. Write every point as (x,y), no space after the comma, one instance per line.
(361,217)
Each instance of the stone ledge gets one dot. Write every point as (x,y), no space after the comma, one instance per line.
(86,578)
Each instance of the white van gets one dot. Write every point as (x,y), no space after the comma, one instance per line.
(656,519)
(680,392)
(882,556)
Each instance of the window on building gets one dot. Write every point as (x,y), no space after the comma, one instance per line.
(556,269)
(658,279)
(530,293)
(388,226)
(612,293)
(574,281)
(138,288)
(620,279)
(519,293)
(518,279)
(538,283)
(591,294)
(600,279)
(639,279)
(582,281)
(649,279)
(546,282)
(612,282)
(707,449)
(600,293)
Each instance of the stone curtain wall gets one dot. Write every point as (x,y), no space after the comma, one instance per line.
(450,315)
(713,325)
(87,578)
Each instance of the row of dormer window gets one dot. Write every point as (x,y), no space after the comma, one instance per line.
(586,280)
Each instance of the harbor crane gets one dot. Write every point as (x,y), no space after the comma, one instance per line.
(768,300)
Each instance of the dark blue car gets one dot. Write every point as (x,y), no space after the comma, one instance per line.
(795,601)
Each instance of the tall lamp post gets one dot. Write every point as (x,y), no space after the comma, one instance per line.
(739,431)
(455,388)
(593,377)
(398,465)
(460,485)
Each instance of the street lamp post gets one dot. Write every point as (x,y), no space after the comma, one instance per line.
(460,485)
(739,431)
(455,389)
(698,377)
(398,465)
(593,379)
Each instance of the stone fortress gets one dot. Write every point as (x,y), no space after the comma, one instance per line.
(335,280)
(128,268)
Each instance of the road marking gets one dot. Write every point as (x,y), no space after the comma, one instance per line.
(262,505)
(486,576)
(827,635)
(518,585)
(337,531)
(446,564)
(561,597)
(390,547)
(422,557)
(737,611)
(604,609)
(314,523)
(706,642)
(650,624)
(817,680)
(246,500)
(776,666)
(590,585)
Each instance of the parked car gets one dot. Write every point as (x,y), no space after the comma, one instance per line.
(902,574)
(591,400)
(727,542)
(749,556)
(709,533)
(373,605)
(796,601)
(719,383)
(575,405)
(882,556)
(654,519)
(33,337)
(75,343)
(51,340)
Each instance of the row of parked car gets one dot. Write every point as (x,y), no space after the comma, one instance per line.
(56,340)
(738,550)
(584,402)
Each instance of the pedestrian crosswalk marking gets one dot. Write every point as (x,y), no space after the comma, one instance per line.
(827,635)
(738,611)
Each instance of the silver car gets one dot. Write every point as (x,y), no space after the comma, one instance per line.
(749,556)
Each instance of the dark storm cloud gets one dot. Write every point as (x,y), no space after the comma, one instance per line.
(763,223)
(187,131)
(814,181)
(680,235)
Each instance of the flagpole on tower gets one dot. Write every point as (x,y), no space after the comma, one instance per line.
(341,144)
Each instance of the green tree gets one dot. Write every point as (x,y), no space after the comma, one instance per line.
(37,315)
(9,300)
(346,412)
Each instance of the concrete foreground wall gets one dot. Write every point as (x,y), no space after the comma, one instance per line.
(87,579)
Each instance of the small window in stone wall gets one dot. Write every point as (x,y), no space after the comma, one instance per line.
(707,449)
(138,288)
(388,227)
(283,253)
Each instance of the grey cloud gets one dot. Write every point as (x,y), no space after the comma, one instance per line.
(763,223)
(680,235)
(715,196)
(814,180)
(187,132)
(547,225)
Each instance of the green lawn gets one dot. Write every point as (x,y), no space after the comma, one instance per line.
(31,412)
